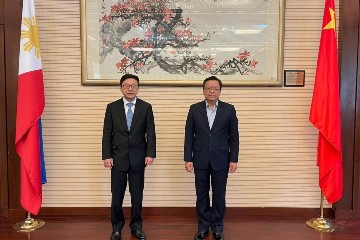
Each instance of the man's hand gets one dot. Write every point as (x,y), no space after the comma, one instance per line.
(149,161)
(189,166)
(109,163)
(232,167)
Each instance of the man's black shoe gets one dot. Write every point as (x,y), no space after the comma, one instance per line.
(115,235)
(139,234)
(218,236)
(200,235)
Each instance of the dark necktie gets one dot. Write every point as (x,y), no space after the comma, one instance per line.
(129,115)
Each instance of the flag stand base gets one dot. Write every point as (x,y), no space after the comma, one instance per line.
(321,224)
(29,224)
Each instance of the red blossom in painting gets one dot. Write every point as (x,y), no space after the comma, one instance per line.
(133,22)
(140,7)
(243,55)
(148,33)
(168,14)
(132,43)
(139,64)
(209,64)
(161,29)
(105,18)
(122,64)
(253,63)
(179,33)
(197,38)
(114,8)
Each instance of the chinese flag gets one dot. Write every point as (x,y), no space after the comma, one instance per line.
(30,106)
(325,110)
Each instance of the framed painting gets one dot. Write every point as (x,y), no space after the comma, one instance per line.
(181,42)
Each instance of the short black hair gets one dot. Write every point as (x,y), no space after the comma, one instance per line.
(212,78)
(127,76)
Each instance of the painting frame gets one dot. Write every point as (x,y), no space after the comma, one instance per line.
(185,79)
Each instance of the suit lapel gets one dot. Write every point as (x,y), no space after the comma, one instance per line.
(136,112)
(219,112)
(204,114)
(121,114)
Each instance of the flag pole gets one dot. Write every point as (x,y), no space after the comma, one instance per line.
(29,224)
(321,224)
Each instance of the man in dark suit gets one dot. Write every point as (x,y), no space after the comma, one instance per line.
(211,149)
(128,146)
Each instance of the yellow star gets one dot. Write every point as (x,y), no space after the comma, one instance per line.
(331,24)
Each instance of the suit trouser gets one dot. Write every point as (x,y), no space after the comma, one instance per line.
(210,216)
(118,186)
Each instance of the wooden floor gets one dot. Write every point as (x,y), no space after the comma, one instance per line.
(161,228)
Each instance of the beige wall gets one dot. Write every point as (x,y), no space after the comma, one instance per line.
(277,162)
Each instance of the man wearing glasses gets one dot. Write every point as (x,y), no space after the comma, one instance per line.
(128,146)
(211,150)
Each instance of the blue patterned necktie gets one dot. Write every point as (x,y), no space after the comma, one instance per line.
(129,115)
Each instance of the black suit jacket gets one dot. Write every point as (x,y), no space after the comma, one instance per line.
(219,145)
(128,148)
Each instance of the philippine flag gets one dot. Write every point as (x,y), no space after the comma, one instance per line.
(30,106)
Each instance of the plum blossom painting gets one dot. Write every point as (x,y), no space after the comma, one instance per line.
(181,42)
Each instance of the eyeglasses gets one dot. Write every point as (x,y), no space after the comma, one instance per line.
(127,86)
(208,89)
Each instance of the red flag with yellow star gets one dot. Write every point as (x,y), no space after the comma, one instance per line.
(325,110)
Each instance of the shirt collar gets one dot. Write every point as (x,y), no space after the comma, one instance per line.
(126,101)
(207,104)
